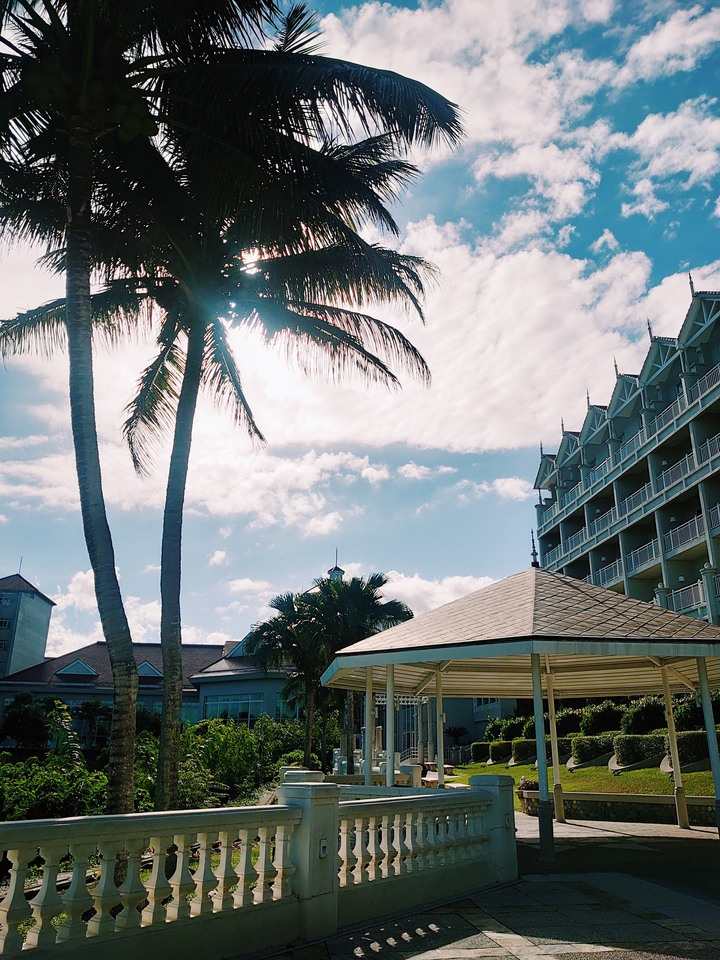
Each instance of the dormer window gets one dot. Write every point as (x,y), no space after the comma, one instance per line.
(148,675)
(77,672)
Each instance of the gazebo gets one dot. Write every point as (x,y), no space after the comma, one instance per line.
(543,635)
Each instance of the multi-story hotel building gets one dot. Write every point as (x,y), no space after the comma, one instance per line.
(632,501)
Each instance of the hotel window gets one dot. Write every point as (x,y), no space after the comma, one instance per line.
(4,624)
(243,707)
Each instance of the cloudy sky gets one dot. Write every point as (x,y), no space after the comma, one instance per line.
(588,185)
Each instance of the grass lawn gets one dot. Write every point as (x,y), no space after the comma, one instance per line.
(599,779)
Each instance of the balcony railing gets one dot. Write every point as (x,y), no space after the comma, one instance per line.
(686,533)
(212,882)
(636,499)
(641,555)
(575,540)
(717,584)
(613,571)
(667,415)
(632,444)
(600,471)
(710,380)
(709,449)
(549,512)
(715,516)
(603,521)
(552,555)
(572,494)
(687,598)
(676,472)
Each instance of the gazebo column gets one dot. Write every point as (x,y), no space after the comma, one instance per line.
(440,729)
(390,724)
(680,802)
(369,725)
(557,786)
(420,707)
(713,751)
(545,812)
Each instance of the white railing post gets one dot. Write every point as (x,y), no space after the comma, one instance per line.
(499,824)
(315,855)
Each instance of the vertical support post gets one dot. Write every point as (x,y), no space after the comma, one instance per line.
(545,815)
(390,724)
(680,802)
(431,738)
(369,726)
(421,731)
(555,752)
(713,751)
(440,730)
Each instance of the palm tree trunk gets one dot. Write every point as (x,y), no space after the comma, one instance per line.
(121,787)
(166,794)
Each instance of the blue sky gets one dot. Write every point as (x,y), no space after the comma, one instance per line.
(587,186)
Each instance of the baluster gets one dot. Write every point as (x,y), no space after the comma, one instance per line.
(132,891)
(441,854)
(14,909)
(461,840)
(47,903)
(386,845)
(181,881)
(222,897)
(362,856)
(245,871)
(105,894)
(451,834)
(77,899)
(401,850)
(409,830)
(374,849)
(431,840)
(347,857)
(480,838)
(157,887)
(285,869)
(265,870)
(420,842)
(205,879)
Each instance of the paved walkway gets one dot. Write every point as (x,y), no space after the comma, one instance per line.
(615,892)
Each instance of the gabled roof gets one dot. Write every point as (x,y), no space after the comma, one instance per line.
(663,352)
(595,419)
(78,668)
(16,583)
(230,667)
(95,658)
(626,388)
(587,637)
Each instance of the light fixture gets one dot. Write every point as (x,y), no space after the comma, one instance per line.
(681,579)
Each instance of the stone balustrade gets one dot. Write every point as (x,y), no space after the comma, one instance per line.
(230,881)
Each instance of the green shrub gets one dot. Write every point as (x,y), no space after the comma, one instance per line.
(587,748)
(600,718)
(35,789)
(480,750)
(500,750)
(692,746)
(643,716)
(492,729)
(689,715)
(633,748)
(512,727)
(568,721)
(528,730)
(523,750)
(296,758)
(565,745)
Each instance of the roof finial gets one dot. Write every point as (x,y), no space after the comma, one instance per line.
(650,330)
(533,552)
(692,285)
(542,452)
(562,424)
(336,572)
(587,397)
(20,567)
(616,366)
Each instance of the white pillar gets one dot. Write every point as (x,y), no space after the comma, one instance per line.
(390,725)
(369,726)
(545,824)
(555,751)
(680,802)
(420,732)
(713,752)
(440,729)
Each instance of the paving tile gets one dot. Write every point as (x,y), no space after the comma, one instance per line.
(631,933)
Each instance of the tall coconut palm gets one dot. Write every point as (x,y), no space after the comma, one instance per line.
(292,638)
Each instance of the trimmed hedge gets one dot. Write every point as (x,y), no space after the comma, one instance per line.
(633,748)
(600,718)
(643,716)
(587,748)
(523,750)
(480,750)
(568,721)
(500,750)
(692,746)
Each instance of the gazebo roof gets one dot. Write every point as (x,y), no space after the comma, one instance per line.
(594,642)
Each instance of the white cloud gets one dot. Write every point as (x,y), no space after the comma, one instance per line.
(80,593)
(248,585)
(646,203)
(225,532)
(606,240)
(152,568)
(678,44)
(507,488)
(22,443)
(414,471)
(218,559)
(3,518)
(597,11)
(422,595)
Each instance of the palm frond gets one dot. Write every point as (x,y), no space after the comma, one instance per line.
(221,380)
(299,31)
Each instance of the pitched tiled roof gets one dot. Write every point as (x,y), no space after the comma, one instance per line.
(196,656)
(16,583)
(229,667)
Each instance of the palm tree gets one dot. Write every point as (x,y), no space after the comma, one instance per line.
(292,638)
(83,98)
(351,610)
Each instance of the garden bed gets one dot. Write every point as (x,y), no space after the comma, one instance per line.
(627,807)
